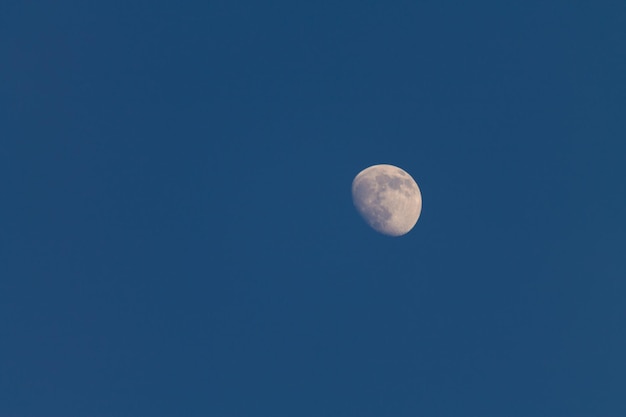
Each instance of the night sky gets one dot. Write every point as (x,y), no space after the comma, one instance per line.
(177,234)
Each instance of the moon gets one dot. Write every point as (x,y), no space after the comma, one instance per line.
(387,198)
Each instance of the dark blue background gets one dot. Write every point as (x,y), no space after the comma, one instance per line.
(177,232)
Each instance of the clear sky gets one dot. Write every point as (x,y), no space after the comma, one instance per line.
(177,236)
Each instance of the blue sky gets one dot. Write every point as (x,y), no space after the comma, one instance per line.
(178,236)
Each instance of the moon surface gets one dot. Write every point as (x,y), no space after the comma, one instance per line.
(387,198)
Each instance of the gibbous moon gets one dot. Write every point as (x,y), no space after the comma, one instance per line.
(388,198)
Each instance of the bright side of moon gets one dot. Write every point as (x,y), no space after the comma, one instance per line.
(387,198)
